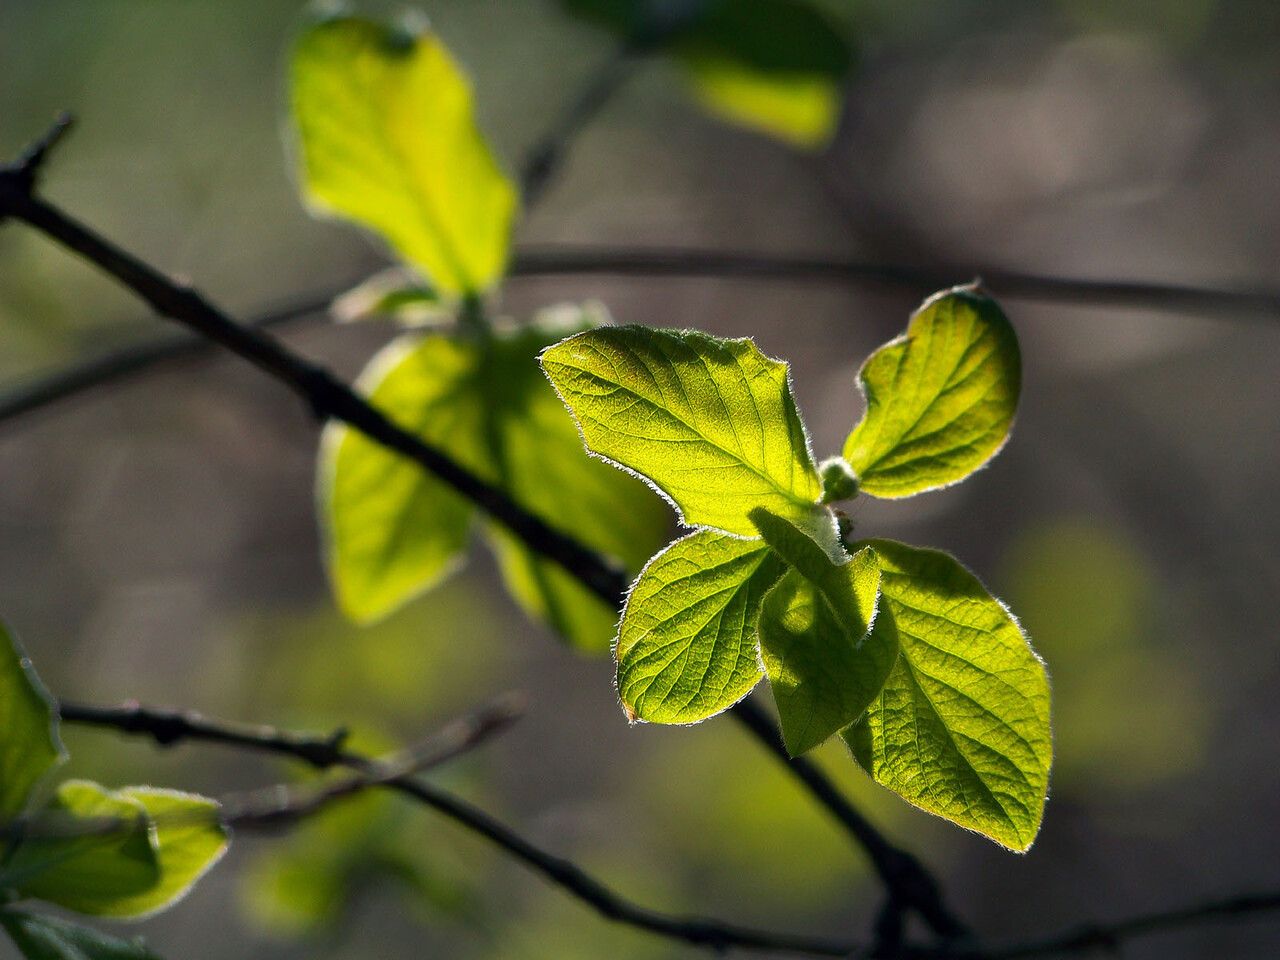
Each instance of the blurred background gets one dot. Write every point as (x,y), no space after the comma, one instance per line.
(159,540)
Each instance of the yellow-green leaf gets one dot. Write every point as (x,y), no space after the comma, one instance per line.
(90,850)
(800,108)
(189,840)
(29,744)
(687,642)
(961,728)
(710,422)
(387,137)
(393,530)
(940,399)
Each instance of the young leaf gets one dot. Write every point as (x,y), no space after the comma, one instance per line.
(124,853)
(29,747)
(823,662)
(810,543)
(90,850)
(712,423)
(388,138)
(42,937)
(393,531)
(940,399)
(687,642)
(961,728)
(189,840)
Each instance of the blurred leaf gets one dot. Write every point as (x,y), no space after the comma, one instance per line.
(395,294)
(960,359)
(388,138)
(961,728)
(536,455)
(393,531)
(802,109)
(42,937)
(30,746)
(710,422)
(687,641)
(823,663)
(776,66)
(307,882)
(92,852)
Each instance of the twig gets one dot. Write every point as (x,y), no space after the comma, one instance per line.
(553,261)
(544,159)
(557,261)
(329,398)
(169,727)
(1112,936)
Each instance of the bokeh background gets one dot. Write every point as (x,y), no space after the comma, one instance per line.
(159,540)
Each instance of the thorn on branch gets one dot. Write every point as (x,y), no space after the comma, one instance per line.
(24,170)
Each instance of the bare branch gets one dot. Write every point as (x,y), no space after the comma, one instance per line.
(170,727)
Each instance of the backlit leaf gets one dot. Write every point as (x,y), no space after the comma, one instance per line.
(387,138)
(961,728)
(712,423)
(393,530)
(687,642)
(823,662)
(91,850)
(940,399)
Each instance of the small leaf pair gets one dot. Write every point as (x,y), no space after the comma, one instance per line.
(900,649)
(123,853)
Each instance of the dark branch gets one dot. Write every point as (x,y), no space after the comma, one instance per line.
(329,398)
(554,261)
(692,264)
(1111,937)
(168,727)
(545,158)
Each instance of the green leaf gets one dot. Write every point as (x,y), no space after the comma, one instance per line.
(687,642)
(90,850)
(801,108)
(536,455)
(387,138)
(124,853)
(189,840)
(42,937)
(940,399)
(30,746)
(393,531)
(773,65)
(712,423)
(823,661)
(810,543)
(961,728)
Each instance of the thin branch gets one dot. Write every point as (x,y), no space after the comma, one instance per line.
(169,727)
(330,398)
(560,261)
(567,260)
(544,160)
(1111,937)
